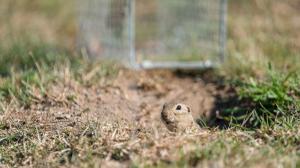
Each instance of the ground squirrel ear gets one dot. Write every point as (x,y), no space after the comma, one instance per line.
(189,110)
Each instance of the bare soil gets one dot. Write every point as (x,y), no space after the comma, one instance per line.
(120,114)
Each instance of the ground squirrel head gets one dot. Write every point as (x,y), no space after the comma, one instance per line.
(176,115)
(177,108)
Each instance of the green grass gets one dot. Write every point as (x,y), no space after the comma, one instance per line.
(20,87)
(28,65)
(266,103)
(28,54)
(273,101)
(31,65)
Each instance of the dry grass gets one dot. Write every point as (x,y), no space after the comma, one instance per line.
(261,32)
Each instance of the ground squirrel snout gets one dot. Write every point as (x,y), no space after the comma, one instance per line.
(178,118)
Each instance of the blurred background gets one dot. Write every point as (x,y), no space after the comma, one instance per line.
(259,32)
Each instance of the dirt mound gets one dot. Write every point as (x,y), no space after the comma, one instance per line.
(119,117)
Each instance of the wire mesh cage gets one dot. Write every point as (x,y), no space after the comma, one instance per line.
(155,33)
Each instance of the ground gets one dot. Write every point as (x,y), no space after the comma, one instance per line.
(124,110)
(115,122)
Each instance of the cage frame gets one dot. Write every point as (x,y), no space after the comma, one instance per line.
(133,60)
(146,64)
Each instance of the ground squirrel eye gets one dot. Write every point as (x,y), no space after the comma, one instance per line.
(178,107)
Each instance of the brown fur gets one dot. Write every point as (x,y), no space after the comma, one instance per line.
(178,118)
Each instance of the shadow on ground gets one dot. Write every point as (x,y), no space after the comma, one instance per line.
(228,109)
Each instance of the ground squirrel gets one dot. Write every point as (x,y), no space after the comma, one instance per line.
(178,118)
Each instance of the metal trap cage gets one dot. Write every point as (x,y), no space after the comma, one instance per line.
(155,33)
